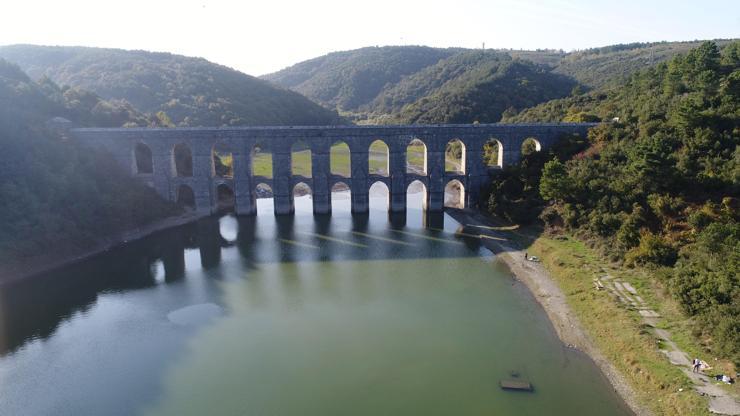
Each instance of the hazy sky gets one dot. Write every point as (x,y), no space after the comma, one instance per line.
(258,37)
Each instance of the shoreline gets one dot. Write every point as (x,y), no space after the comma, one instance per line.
(39,265)
(552,299)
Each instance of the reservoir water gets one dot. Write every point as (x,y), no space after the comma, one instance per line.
(303,315)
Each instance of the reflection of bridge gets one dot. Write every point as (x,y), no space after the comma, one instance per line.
(180,164)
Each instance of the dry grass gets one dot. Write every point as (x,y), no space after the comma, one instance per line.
(619,332)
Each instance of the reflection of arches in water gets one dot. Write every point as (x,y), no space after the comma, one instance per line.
(182,160)
(530,145)
(144,164)
(261,160)
(340,159)
(378,162)
(300,159)
(263,193)
(209,242)
(416,157)
(454,194)
(228,228)
(225,199)
(493,153)
(341,196)
(65,292)
(222,161)
(416,195)
(185,197)
(379,196)
(455,156)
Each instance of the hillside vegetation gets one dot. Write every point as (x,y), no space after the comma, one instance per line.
(415,84)
(189,91)
(657,188)
(59,198)
(348,80)
(472,86)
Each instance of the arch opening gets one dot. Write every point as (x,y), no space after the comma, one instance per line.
(416,157)
(143,159)
(340,159)
(182,160)
(379,196)
(530,145)
(262,161)
(455,157)
(225,198)
(378,160)
(302,194)
(493,154)
(185,197)
(264,201)
(341,197)
(300,159)
(416,195)
(454,194)
(222,161)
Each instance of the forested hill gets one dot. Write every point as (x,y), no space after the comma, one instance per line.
(350,79)
(658,186)
(467,87)
(191,91)
(58,199)
(409,84)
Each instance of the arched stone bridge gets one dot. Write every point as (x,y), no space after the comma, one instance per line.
(150,153)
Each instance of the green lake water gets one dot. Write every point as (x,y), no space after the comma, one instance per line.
(299,315)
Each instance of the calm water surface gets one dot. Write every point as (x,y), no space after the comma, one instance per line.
(304,315)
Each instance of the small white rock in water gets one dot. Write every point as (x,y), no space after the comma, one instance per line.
(195,314)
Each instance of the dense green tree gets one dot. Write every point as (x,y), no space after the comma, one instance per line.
(658,185)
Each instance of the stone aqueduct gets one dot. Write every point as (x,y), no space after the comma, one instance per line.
(240,142)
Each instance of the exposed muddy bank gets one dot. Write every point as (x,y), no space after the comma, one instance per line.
(550,296)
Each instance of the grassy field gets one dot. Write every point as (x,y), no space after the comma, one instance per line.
(339,158)
(619,332)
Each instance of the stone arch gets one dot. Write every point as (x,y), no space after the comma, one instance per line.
(302,189)
(455,157)
(493,153)
(225,198)
(417,190)
(185,197)
(379,158)
(341,195)
(300,159)
(376,191)
(416,157)
(263,198)
(182,160)
(340,159)
(531,145)
(222,161)
(454,194)
(261,156)
(143,160)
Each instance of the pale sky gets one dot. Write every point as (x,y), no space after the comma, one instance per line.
(259,37)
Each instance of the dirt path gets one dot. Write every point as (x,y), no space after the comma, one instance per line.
(720,401)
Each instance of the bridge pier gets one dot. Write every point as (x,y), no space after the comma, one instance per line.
(282,192)
(243,192)
(321,192)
